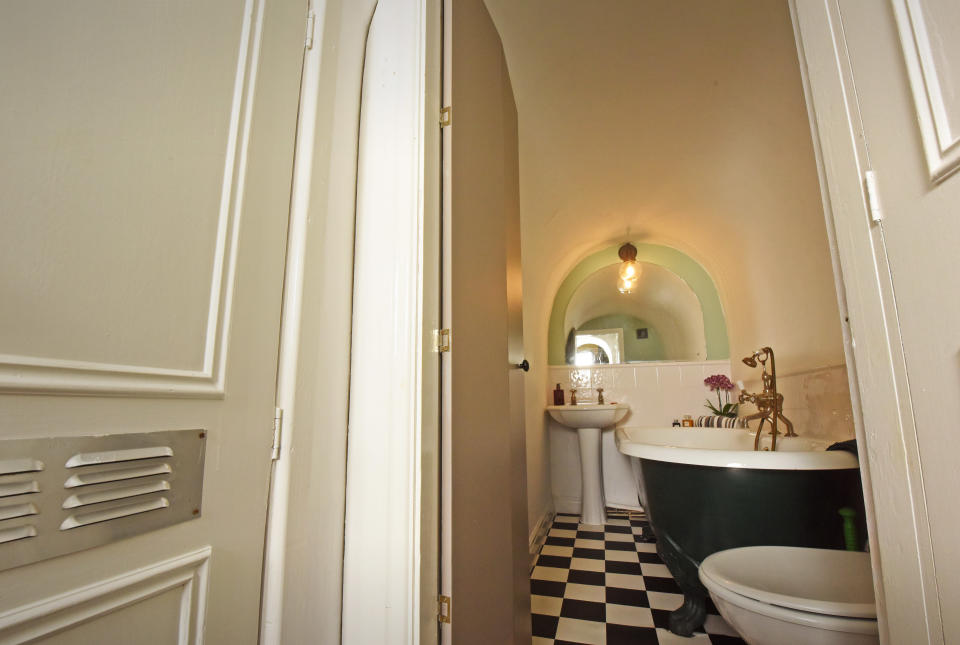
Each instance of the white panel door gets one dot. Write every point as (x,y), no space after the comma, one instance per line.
(905,62)
(145,171)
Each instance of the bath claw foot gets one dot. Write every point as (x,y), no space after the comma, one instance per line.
(689,616)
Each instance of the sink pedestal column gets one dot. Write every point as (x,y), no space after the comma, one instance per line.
(589,419)
(593,510)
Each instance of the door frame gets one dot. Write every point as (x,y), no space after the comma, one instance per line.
(877,378)
(304,577)
(392,495)
(303,560)
(907,603)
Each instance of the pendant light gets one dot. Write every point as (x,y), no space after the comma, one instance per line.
(629,269)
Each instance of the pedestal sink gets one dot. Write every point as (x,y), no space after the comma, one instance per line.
(589,419)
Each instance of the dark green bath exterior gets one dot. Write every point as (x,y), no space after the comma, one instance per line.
(698,510)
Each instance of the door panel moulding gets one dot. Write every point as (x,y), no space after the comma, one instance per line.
(124,487)
(187,573)
(941,137)
(53,375)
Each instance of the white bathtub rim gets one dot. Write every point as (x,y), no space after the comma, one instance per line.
(630,442)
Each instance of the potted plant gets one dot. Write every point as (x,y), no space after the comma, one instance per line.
(719,383)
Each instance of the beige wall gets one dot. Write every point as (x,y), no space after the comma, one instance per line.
(684,124)
(489,528)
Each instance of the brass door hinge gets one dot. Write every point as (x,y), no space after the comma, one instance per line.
(443,609)
(441,340)
(446,116)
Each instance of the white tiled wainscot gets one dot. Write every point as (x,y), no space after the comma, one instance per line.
(657,393)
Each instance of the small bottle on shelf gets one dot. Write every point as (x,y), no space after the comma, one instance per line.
(558,395)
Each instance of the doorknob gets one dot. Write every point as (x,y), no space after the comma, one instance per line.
(525,366)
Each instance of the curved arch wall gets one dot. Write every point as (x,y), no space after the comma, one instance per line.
(660,122)
(664,302)
(681,264)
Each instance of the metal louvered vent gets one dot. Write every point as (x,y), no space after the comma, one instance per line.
(64,494)
(17,483)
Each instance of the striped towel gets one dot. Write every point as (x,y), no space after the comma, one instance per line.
(720,422)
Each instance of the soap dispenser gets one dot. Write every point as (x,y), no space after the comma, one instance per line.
(558,395)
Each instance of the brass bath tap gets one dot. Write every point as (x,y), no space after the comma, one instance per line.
(769,402)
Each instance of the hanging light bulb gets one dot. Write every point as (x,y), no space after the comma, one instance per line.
(629,270)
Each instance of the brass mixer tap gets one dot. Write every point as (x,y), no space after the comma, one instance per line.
(769,402)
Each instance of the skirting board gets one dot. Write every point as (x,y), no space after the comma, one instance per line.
(571,505)
(188,573)
(567,505)
(539,534)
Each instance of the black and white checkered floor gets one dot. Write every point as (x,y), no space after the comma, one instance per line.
(606,586)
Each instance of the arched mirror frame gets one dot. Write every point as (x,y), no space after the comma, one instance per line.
(714,321)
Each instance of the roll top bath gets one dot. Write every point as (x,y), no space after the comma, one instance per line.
(710,489)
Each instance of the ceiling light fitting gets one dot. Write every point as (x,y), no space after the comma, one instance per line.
(629,269)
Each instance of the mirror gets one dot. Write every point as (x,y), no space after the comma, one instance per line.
(661,319)
(598,346)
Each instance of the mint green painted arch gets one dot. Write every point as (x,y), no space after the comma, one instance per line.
(714,322)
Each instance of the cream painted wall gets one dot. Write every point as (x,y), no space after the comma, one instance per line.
(684,124)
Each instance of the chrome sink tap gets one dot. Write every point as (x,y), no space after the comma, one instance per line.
(769,402)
